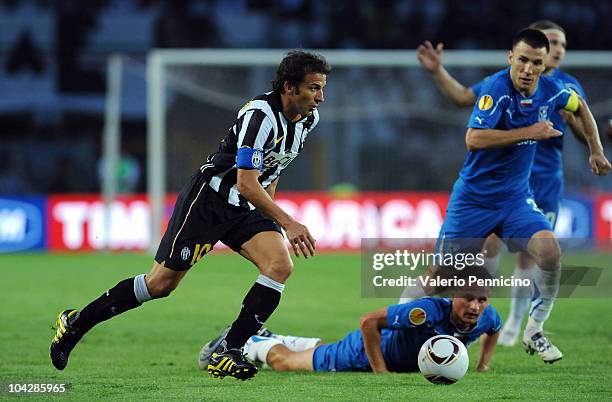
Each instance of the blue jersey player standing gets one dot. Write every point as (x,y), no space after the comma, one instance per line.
(493,195)
(546,178)
(389,339)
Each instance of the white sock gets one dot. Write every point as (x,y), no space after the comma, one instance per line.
(298,343)
(520,295)
(140,289)
(533,327)
(411,293)
(548,286)
(492,265)
(258,350)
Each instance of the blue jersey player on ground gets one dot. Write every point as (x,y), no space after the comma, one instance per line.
(493,195)
(389,339)
(546,178)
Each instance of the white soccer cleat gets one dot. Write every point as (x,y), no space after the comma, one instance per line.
(509,335)
(539,344)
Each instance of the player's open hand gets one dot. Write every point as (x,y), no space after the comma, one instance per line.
(429,57)
(599,164)
(543,130)
(300,238)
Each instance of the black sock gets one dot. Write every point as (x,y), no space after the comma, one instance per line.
(257,306)
(113,302)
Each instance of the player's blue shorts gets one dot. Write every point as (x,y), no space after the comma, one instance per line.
(327,358)
(468,223)
(548,192)
(345,355)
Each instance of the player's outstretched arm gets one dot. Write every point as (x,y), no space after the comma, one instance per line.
(431,60)
(477,139)
(487,347)
(598,161)
(299,237)
(370,325)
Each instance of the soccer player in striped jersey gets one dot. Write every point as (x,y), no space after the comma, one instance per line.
(230,199)
(546,178)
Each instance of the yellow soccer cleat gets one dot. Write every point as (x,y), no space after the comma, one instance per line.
(231,362)
(65,338)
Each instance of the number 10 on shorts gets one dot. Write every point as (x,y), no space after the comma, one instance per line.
(199,252)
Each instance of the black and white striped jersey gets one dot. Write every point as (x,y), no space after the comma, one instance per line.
(261,126)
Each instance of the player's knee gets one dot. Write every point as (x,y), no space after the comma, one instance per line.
(161,287)
(279,269)
(549,258)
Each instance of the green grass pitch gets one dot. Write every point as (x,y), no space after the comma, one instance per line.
(151,352)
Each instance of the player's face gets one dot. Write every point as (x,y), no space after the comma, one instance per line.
(468,306)
(526,66)
(558,44)
(308,95)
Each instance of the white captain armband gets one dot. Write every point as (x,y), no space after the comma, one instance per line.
(249,158)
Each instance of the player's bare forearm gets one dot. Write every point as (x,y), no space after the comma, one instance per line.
(577,128)
(476,139)
(250,188)
(431,60)
(575,124)
(371,325)
(589,128)
(598,161)
(487,348)
(298,235)
(452,89)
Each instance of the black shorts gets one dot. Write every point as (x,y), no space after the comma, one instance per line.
(201,218)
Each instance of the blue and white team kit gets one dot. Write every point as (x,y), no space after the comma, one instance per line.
(410,325)
(546,178)
(493,193)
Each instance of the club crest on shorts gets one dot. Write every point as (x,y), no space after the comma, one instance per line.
(185,253)
(485,102)
(417,316)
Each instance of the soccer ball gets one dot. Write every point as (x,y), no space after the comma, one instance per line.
(443,359)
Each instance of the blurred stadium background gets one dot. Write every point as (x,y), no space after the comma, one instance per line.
(383,128)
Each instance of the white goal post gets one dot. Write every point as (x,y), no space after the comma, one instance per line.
(157,79)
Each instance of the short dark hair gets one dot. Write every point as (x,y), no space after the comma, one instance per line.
(294,67)
(468,274)
(546,24)
(533,37)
